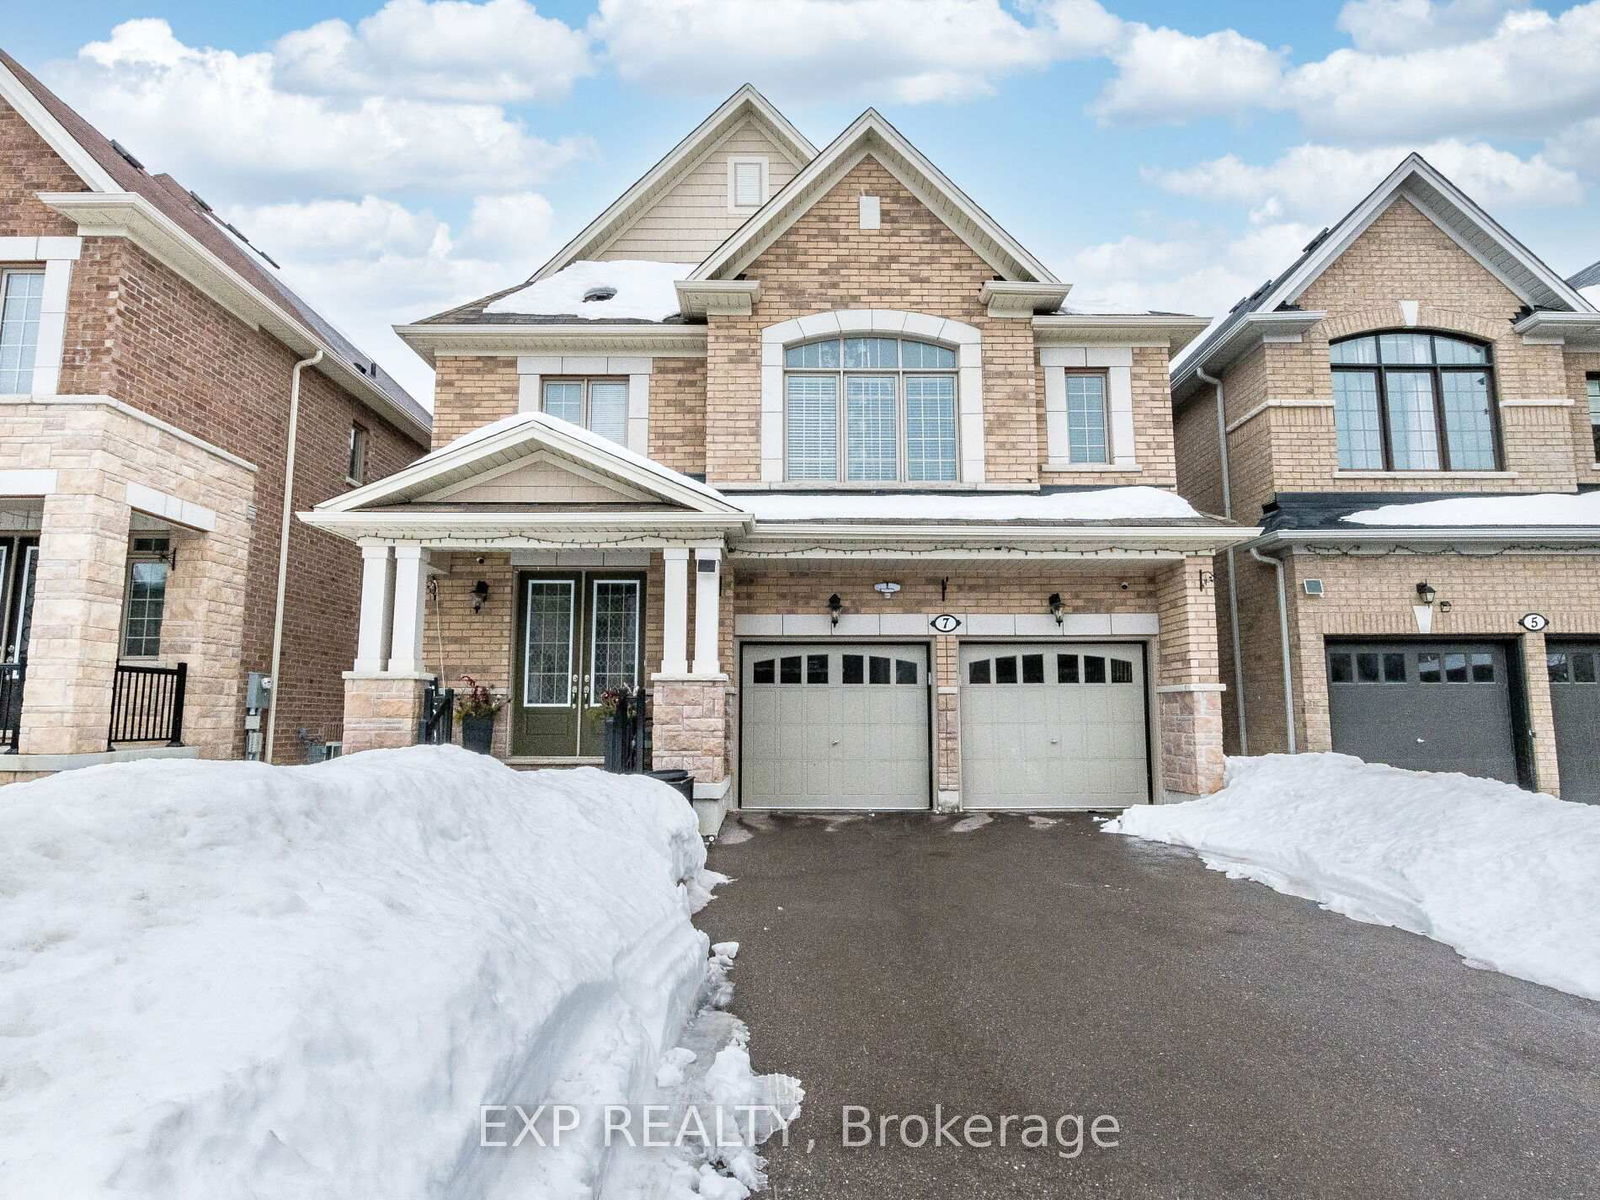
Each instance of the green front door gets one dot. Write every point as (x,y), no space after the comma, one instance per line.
(578,635)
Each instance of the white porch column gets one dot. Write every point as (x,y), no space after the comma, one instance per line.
(410,582)
(372,642)
(707,609)
(675,614)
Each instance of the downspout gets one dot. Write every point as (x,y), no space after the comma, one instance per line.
(283,547)
(1233,569)
(1283,641)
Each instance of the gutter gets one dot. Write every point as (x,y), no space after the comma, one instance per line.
(283,547)
(1233,566)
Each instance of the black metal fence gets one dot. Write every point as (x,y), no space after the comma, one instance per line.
(627,734)
(12,676)
(438,716)
(147,705)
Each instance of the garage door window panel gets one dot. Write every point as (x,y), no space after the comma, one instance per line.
(1414,402)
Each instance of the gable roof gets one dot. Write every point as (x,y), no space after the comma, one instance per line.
(1437,198)
(1588,277)
(118,185)
(487,449)
(746,103)
(871,133)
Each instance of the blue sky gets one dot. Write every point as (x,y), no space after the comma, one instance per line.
(400,157)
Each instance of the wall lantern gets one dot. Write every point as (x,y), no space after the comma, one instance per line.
(480,594)
(1425,592)
(835,606)
(1055,607)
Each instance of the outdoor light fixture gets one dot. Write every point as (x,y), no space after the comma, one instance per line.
(1055,607)
(835,606)
(1425,592)
(480,594)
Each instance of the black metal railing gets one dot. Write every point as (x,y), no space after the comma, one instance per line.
(12,676)
(627,743)
(438,716)
(147,705)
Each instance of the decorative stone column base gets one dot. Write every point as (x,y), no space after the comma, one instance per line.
(1191,740)
(381,712)
(689,726)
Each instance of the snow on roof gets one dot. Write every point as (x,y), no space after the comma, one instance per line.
(1546,509)
(643,289)
(1108,505)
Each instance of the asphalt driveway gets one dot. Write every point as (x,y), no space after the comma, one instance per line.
(1247,1043)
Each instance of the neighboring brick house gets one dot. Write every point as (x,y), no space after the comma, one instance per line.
(923,515)
(147,362)
(1414,353)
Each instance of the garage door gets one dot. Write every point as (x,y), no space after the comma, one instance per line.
(834,727)
(1575,696)
(1427,706)
(1053,726)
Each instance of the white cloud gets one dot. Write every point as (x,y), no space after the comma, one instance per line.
(1386,26)
(498,51)
(371,263)
(1164,75)
(1319,182)
(1203,272)
(912,51)
(222,120)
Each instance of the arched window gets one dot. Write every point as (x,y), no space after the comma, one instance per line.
(1408,401)
(870,409)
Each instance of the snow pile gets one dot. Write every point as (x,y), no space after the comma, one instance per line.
(1108,504)
(644,291)
(1510,879)
(229,979)
(1550,508)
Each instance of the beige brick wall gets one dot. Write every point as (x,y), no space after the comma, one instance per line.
(678,414)
(470,391)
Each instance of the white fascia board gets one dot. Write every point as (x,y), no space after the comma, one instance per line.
(867,133)
(554,528)
(55,135)
(1575,330)
(681,158)
(125,214)
(1172,331)
(1187,537)
(688,341)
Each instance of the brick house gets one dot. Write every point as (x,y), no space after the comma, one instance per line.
(804,444)
(1384,409)
(148,362)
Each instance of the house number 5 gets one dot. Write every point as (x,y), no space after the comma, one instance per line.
(1534,622)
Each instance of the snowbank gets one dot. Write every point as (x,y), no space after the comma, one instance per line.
(1108,504)
(229,979)
(1550,508)
(1508,878)
(644,292)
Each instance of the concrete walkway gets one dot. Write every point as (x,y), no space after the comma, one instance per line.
(1248,1044)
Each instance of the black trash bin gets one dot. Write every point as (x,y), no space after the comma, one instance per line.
(680,781)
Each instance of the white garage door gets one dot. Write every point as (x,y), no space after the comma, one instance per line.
(1058,726)
(834,727)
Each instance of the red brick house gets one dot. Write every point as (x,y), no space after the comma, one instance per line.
(149,362)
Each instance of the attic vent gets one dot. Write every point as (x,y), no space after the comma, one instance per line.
(1317,241)
(198,199)
(604,292)
(127,154)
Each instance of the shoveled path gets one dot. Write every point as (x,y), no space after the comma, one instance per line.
(1249,1044)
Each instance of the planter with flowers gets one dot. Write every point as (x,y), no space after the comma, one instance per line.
(478,706)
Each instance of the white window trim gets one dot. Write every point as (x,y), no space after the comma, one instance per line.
(734,162)
(1117,363)
(532,368)
(56,255)
(890,323)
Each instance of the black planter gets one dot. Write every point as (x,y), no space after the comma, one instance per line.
(477,734)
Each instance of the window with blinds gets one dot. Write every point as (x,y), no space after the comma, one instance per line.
(1087,441)
(870,410)
(599,405)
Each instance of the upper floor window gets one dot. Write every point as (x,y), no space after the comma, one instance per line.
(1594,413)
(870,409)
(599,405)
(1414,402)
(20,296)
(356,465)
(1087,439)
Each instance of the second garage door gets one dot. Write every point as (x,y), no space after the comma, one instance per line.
(1426,706)
(1056,726)
(834,727)
(1575,696)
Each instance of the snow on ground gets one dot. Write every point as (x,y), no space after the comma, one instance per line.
(1107,504)
(644,291)
(1510,879)
(229,979)
(1550,508)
